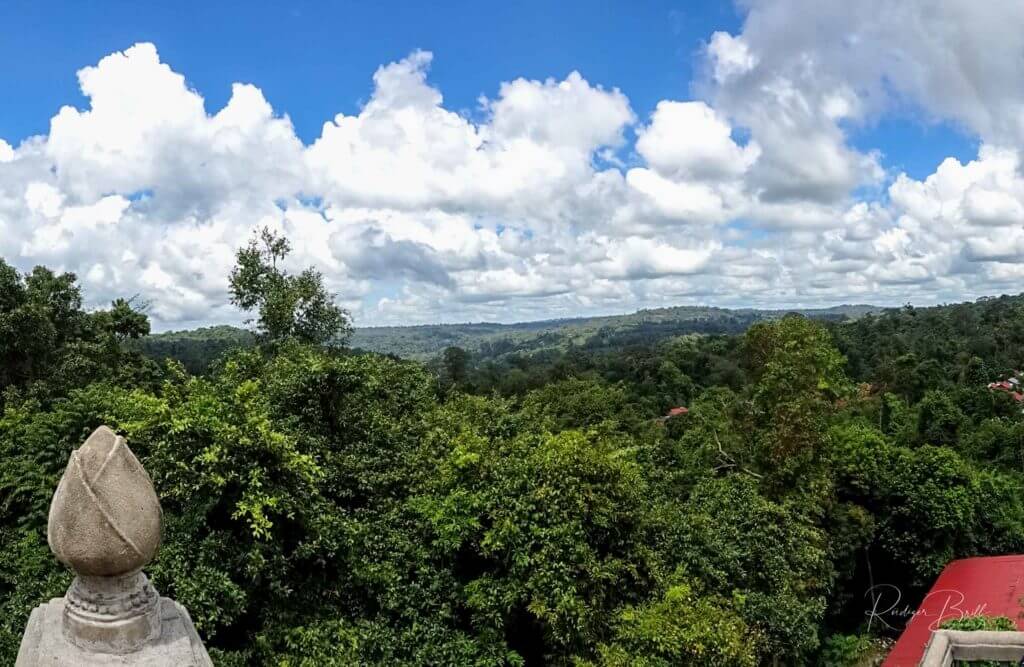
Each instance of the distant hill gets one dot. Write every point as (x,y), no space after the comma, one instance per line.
(489,339)
(198,348)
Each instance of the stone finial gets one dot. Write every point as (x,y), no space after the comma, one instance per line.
(104,524)
(105,517)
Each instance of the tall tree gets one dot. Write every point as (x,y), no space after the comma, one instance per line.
(798,375)
(40,313)
(290,307)
(456,365)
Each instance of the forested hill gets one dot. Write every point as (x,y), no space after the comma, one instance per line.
(488,339)
(197,348)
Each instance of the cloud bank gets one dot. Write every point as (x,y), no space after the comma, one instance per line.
(554,198)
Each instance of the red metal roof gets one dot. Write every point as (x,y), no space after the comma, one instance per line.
(677,411)
(991,586)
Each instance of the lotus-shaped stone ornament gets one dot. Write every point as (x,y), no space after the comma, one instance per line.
(105,517)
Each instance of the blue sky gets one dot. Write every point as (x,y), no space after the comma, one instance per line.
(628,154)
(313,59)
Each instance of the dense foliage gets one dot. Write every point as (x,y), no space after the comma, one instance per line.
(330,508)
(49,344)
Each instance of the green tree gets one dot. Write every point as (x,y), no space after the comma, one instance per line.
(49,345)
(798,374)
(296,307)
(682,628)
(455,361)
(126,320)
(39,314)
(928,505)
(939,419)
(733,540)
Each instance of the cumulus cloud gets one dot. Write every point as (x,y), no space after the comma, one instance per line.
(554,197)
(793,109)
(954,59)
(375,255)
(144,192)
(973,212)
(730,57)
(646,258)
(690,140)
(405,150)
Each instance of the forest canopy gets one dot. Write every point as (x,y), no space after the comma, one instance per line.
(331,507)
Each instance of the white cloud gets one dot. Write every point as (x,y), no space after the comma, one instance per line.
(43,199)
(730,56)
(792,108)
(690,140)
(680,200)
(548,113)
(405,150)
(537,204)
(956,59)
(987,192)
(635,257)
(972,212)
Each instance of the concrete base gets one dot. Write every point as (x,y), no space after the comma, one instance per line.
(949,646)
(45,642)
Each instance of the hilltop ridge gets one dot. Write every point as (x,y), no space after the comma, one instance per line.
(196,348)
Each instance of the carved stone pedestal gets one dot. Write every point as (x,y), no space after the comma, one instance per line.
(104,524)
(47,643)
